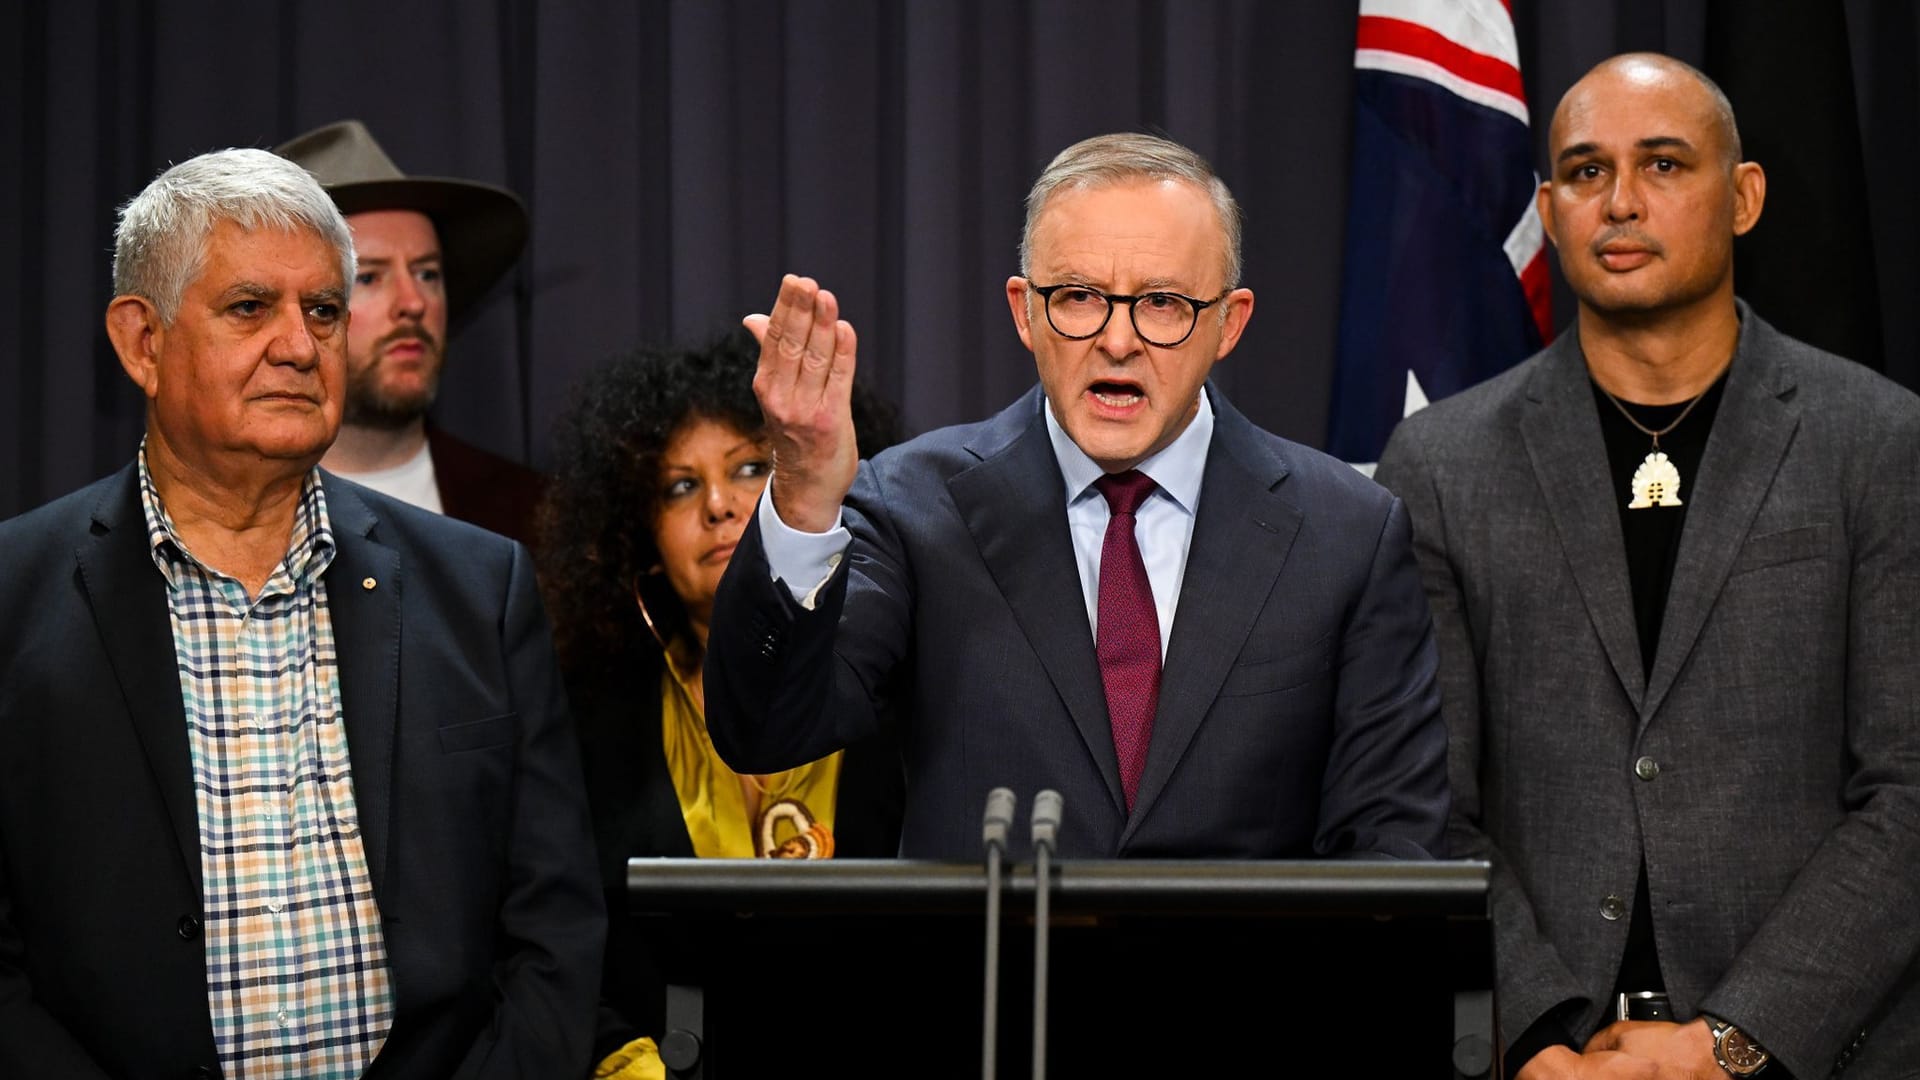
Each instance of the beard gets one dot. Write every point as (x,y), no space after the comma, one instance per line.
(371,403)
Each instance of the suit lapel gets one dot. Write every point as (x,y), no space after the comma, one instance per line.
(366,638)
(1561,434)
(128,598)
(1751,431)
(1014,505)
(1243,531)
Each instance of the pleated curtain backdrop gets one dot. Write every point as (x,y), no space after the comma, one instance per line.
(679,156)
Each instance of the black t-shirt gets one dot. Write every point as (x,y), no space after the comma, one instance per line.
(1652,536)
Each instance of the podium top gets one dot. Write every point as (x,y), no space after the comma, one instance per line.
(1455,888)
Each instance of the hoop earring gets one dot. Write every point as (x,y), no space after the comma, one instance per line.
(647,616)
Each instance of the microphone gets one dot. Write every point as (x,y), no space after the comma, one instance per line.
(993,834)
(1046,827)
(999,818)
(1046,818)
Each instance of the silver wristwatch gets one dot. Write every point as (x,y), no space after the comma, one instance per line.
(1735,1050)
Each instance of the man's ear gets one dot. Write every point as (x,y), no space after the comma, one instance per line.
(1236,309)
(1749,195)
(134,327)
(1543,203)
(1022,314)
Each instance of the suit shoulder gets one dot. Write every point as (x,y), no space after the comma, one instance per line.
(1470,425)
(1326,475)
(350,505)
(1837,382)
(935,455)
(1480,404)
(59,515)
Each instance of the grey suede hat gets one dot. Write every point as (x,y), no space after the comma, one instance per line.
(482,228)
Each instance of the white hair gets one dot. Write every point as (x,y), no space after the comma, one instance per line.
(161,243)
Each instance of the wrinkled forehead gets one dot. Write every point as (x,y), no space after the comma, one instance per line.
(299,255)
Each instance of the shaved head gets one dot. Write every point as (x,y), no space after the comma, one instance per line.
(1652,71)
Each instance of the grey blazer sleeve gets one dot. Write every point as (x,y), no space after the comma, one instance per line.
(1530,978)
(1832,954)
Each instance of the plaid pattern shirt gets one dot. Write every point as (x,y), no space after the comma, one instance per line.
(297,980)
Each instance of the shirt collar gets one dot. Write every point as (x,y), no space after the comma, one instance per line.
(1177,468)
(310,549)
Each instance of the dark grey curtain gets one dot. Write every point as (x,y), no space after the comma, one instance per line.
(679,156)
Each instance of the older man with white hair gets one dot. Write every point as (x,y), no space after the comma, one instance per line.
(235,839)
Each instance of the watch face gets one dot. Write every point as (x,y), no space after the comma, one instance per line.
(1740,1051)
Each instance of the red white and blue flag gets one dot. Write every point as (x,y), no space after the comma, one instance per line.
(1445,278)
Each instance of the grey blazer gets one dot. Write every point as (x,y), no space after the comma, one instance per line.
(1768,770)
(1298,712)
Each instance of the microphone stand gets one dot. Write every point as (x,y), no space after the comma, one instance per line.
(993,834)
(1046,825)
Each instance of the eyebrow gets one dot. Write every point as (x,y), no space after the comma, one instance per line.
(1651,142)
(382,260)
(246,290)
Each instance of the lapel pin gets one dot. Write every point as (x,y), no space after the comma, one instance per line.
(368,584)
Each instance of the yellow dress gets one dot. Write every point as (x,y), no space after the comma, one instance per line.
(795,816)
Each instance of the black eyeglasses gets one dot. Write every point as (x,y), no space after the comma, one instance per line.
(1078,312)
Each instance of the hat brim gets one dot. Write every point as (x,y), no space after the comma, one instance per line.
(482,228)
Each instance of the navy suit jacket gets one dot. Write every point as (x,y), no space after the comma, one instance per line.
(1298,713)
(465,772)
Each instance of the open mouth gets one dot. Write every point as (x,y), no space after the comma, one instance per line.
(1117,395)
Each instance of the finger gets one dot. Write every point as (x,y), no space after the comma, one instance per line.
(757,325)
(788,327)
(816,364)
(845,347)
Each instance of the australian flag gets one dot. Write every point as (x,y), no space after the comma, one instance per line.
(1445,276)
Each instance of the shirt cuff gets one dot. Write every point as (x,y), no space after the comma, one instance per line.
(797,558)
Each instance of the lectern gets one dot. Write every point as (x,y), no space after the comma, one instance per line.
(857,968)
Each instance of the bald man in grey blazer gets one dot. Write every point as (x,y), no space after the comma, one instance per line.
(1674,564)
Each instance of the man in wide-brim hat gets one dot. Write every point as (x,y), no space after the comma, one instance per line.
(429,248)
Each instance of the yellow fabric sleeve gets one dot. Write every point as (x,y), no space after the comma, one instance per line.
(638,1060)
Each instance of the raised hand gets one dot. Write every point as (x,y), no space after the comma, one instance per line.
(805,387)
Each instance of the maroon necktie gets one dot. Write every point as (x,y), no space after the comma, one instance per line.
(1128,640)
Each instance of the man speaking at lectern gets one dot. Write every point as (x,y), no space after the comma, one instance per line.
(1211,641)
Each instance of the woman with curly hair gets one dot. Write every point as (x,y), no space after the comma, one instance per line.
(659,461)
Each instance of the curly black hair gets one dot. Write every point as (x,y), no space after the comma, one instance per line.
(594,535)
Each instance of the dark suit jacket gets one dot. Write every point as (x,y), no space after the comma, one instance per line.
(1778,806)
(485,489)
(465,771)
(1298,712)
(636,814)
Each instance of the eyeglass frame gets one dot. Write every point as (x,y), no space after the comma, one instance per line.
(1046,292)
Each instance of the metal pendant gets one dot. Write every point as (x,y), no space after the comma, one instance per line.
(1655,483)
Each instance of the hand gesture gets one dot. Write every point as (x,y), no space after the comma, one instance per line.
(805,387)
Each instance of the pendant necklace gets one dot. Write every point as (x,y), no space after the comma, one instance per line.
(1656,482)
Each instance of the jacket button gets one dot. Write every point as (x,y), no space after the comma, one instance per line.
(1646,768)
(189,930)
(1612,908)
